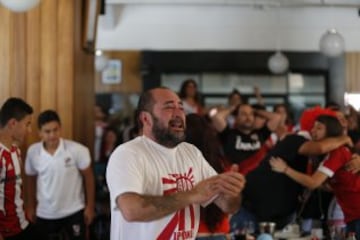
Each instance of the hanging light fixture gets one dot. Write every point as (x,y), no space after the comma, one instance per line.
(19,5)
(101,61)
(278,63)
(332,44)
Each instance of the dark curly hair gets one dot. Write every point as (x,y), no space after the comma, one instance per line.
(182,94)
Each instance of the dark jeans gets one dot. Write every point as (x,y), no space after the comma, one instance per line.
(30,232)
(73,227)
(240,220)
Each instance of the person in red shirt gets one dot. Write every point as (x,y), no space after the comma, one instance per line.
(346,185)
(15,123)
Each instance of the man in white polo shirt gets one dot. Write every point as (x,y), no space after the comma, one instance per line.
(61,181)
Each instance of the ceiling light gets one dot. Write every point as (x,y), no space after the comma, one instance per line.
(278,63)
(19,5)
(332,44)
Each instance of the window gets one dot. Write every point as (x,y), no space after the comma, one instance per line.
(298,90)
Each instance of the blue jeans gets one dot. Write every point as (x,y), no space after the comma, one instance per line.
(354,226)
(241,219)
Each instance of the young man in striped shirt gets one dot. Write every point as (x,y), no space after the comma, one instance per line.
(15,123)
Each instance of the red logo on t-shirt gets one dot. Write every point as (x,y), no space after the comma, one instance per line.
(177,182)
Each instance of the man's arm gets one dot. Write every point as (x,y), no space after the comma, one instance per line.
(219,118)
(31,197)
(137,207)
(273,119)
(324,146)
(89,184)
(258,96)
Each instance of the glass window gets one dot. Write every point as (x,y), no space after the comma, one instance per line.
(299,83)
(299,90)
(174,81)
(225,83)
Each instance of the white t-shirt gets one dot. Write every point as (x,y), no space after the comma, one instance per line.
(145,167)
(60,191)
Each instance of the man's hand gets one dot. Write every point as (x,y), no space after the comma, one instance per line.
(278,165)
(353,165)
(31,214)
(205,190)
(231,183)
(89,214)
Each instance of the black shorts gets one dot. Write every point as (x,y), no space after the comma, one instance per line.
(71,227)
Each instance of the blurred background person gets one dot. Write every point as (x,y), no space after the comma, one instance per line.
(100,124)
(214,224)
(191,97)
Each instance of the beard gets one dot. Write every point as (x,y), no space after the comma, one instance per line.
(165,136)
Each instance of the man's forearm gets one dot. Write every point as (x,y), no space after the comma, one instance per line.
(136,207)
(31,191)
(89,183)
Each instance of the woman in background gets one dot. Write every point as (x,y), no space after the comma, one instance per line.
(191,97)
(214,224)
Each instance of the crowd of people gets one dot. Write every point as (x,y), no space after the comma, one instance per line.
(181,170)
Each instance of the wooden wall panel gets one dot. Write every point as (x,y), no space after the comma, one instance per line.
(5,53)
(39,51)
(131,78)
(352,66)
(48,58)
(65,65)
(18,62)
(84,95)
(33,67)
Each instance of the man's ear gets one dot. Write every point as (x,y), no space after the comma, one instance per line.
(145,118)
(11,123)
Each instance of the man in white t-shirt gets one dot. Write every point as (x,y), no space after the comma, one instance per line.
(157,182)
(61,181)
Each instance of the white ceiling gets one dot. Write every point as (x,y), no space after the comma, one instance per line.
(284,3)
(295,25)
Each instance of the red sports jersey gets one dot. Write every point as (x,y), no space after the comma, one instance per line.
(12,214)
(345,184)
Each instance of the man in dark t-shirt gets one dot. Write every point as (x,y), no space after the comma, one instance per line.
(239,146)
(242,140)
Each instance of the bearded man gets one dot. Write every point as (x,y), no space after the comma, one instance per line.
(157,182)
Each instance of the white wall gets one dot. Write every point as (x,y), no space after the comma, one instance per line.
(186,27)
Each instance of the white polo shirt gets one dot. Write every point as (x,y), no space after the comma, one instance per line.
(60,190)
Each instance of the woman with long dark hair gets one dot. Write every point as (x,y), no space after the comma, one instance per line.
(214,224)
(191,97)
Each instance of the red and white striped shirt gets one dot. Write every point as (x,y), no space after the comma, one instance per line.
(12,214)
